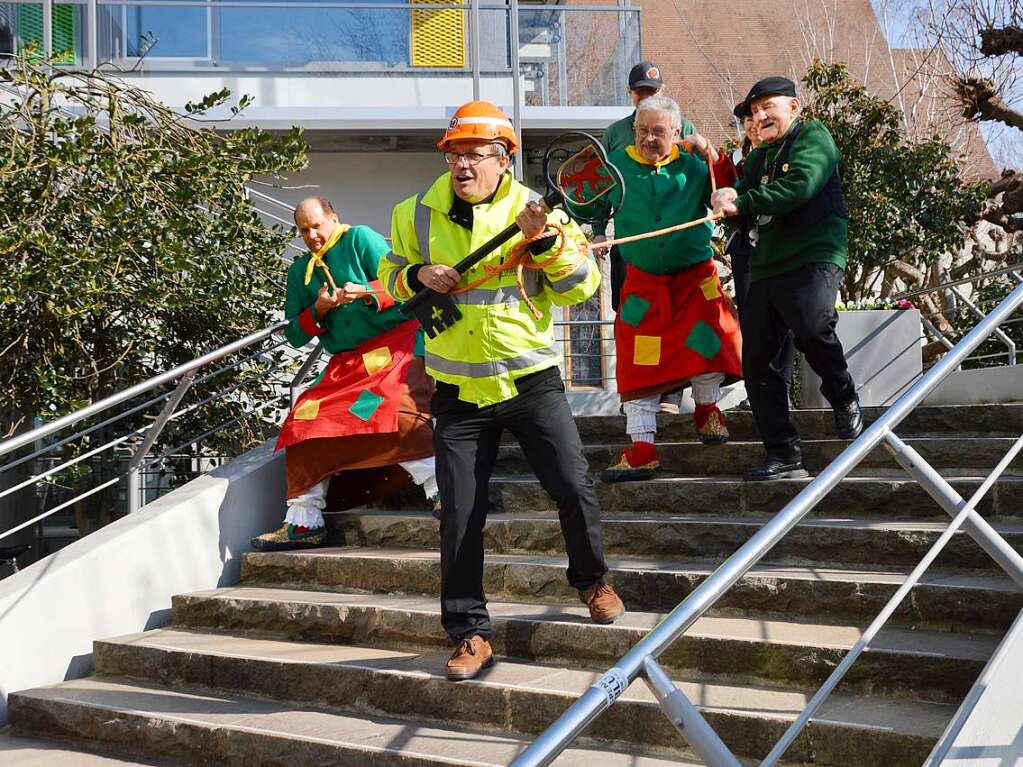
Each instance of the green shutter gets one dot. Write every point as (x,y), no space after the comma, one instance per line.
(30,31)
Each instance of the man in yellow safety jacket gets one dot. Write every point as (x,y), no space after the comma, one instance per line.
(496,367)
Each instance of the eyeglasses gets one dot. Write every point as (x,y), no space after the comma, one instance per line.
(656,132)
(471,158)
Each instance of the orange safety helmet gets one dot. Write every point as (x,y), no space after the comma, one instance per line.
(480,120)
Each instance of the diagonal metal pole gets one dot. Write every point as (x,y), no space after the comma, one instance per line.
(296,382)
(945,496)
(687,719)
(134,485)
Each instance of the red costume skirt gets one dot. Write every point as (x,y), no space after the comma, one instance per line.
(369,411)
(671,327)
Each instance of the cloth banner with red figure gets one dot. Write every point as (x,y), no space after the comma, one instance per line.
(671,327)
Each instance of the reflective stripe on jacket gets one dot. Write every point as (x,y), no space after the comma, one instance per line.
(497,340)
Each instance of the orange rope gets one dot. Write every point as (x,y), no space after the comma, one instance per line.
(519,258)
(670,229)
(659,232)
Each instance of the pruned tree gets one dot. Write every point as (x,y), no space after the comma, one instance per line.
(128,246)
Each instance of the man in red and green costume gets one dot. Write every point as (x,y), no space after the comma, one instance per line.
(674,327)
(367,419)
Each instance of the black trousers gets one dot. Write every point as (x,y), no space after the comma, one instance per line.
(785,361)
(802,301)
(617,276)
(466,438)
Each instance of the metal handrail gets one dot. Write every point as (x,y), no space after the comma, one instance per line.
(955,283)
(641,659)
(41,432)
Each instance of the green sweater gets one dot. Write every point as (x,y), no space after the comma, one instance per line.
(656,198)
(353,258)
(812,159)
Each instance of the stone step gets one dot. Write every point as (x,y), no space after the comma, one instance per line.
(942,601)
(960,420)
(37,752)
(922,665)
(523,698)
(895,497)
(821,541)
(206,727)
(732,459)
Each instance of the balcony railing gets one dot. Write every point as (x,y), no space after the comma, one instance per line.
(567,54)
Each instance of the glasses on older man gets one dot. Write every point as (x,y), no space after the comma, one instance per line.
(471,158)
(657,133)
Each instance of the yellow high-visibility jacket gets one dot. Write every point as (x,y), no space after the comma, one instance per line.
(497,340)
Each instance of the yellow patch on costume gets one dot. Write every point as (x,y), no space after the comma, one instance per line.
(376,360)
(308,410)
(710,288)
(647,350)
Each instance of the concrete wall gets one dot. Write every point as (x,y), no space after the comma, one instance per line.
(980,387)
(120,579)
(986,730)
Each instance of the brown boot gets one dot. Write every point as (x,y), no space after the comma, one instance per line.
(469,658)
(605,605)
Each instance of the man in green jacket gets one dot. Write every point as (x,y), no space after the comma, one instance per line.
(792,190)
(644,81)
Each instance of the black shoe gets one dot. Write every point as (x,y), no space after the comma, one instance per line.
(849,419)
(777,468)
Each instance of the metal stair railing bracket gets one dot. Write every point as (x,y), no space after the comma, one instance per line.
(641,659)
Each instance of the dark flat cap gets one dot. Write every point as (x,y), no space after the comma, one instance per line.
(742,110)
(645,74)
(771,86)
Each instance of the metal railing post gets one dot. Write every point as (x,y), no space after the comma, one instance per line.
(134,478)
(303,371)
(474,47)
(687,719)
(47,30)
(513,11)
(92,32)
(161,420)
(1010,345)
(945,495)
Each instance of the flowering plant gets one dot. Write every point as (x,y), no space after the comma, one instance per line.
(867,304)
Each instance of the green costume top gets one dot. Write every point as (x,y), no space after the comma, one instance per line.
(657,196)
(812,160)
(353,258)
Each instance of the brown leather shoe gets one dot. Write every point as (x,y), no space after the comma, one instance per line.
(605,605)
(469,658)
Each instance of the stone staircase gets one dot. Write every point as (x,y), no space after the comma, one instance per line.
(336,655)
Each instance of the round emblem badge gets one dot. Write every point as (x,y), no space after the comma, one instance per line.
(653,73)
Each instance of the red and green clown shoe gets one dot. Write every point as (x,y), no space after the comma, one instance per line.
(289,537)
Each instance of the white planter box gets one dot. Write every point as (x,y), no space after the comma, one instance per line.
(883,350)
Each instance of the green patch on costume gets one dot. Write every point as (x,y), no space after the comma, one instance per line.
(703,340)
(366,405)
(634,310)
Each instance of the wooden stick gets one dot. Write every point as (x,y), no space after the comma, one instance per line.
(658,232)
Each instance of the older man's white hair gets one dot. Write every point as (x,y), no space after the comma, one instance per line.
(662,104)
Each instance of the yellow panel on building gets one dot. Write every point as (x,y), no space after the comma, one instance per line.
(438,36)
